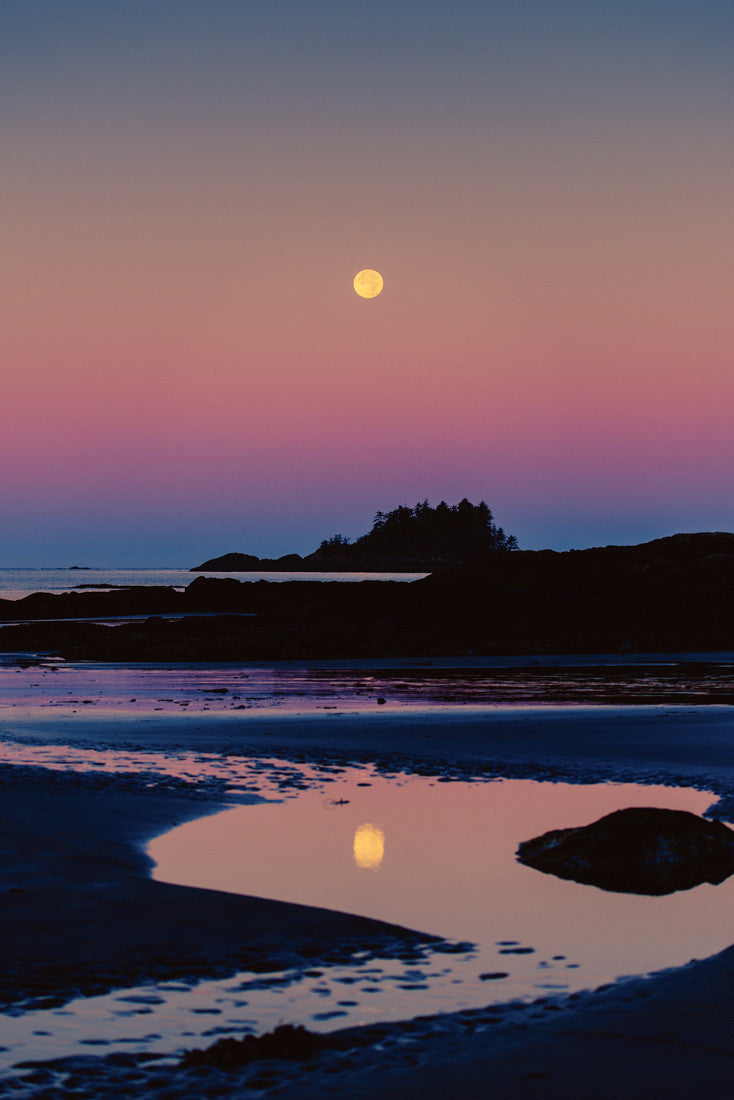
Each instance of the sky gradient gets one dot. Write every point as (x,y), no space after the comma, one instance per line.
(189,189)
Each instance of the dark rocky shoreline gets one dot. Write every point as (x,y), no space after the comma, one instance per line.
(670,595)
(321,563)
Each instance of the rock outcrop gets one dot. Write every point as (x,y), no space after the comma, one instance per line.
(636,851)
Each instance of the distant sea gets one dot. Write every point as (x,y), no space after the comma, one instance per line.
(16,583)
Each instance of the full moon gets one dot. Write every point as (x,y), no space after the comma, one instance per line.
(368,283)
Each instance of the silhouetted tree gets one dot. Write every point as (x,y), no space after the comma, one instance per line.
(334,547)
(454,533)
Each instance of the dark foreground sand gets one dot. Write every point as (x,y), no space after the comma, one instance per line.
(77,912)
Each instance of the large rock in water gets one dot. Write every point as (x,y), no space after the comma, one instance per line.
(636,851)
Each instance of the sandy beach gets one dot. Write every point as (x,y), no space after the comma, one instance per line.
(80,914)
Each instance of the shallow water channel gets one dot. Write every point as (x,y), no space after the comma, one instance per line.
(423,852)
(439,857)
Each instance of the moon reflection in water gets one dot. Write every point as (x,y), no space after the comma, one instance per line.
(369,846)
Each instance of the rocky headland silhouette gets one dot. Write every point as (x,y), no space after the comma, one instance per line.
(673,594)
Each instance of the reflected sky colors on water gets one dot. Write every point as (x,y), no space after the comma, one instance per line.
(369,846)
(420,851)
(428,852)
(439,857)
(175,688)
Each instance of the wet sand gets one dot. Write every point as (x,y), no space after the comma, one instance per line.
(665,1036)
(79,914)
(686,744)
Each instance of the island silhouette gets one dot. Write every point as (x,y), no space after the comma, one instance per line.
(407,540)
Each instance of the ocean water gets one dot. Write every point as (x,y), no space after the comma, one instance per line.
(16,583)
